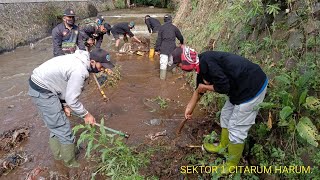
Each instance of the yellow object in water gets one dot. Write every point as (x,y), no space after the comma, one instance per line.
(151,53)
(140,53)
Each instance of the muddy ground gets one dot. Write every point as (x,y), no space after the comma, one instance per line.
(128,109)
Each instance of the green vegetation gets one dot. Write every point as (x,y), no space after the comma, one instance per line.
(114,158)
(288,123)
(120,4)
(114,77)
(163,103)
(286,132)
(157,3)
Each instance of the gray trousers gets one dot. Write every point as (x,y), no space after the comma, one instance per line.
(53,115)
(238,119)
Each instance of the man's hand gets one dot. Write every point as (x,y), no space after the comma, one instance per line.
(203,88)
(108,71)
(67,111)
(89,119)
(90,42)
(188,113)
(157,53)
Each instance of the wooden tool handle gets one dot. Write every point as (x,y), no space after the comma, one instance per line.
(178,132)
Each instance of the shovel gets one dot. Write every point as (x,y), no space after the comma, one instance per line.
(106,128)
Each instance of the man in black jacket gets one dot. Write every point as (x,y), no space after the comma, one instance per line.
(242,81)
(153,25)
(123,29)
(166,43)
(65,35)
(92,34)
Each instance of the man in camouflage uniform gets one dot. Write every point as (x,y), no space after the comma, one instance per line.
(92,32)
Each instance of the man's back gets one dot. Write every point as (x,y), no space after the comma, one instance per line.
(55,74)
(153,24)
(121,28)
(231,74)
(166,42)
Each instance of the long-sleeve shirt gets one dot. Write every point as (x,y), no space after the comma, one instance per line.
(90,31)
(122,28)
(62,34)
(167,34)
(153,24)
(231,74)
(65,77)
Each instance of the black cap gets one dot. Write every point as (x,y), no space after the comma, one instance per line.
(167,18)
(69,12)
(100,17)
(102,56)
(107,26)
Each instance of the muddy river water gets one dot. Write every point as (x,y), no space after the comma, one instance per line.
(125,111)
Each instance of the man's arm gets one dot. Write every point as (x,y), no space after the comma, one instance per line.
(57,42)
(73,91)
(192,104)
(148,25)
(128,31)
(219,78)
(84,36)
(99,41)
(179,36)
(137,39)
(159,40)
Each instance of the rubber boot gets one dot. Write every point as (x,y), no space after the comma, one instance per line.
(68,155)
(151,53)
(163,74)
(224,141)
(234,156)
(55,146)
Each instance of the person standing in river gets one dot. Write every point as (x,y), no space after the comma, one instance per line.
(242,81)
(166,43)
(91,34)
(55,87)
(65,35)
(153,26)
(123,29)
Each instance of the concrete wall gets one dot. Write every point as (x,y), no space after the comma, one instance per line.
(25,22)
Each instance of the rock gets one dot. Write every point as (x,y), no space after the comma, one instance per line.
(155,122)
(293,19)
(316,11)
(276,55)
(280,34)
(290,63)
(11,106)
(253,21)
(295,40)
(311,26)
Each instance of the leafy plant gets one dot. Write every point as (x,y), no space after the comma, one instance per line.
(273,9)
(163,103)
(114,158)
(114,77)
(293,107)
